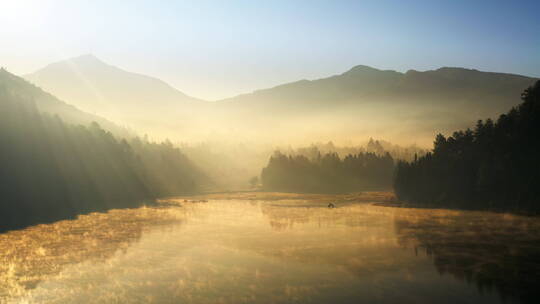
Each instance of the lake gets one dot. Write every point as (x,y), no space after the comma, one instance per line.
(274,251)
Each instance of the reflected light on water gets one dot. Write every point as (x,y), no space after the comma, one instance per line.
(238,251)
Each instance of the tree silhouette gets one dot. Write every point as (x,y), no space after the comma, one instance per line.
(52,170)
(328,173)
(494,166)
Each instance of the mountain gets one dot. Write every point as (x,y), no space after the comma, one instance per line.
(47,103)
(404,108)
(362,85)
(97,87)
(411,106)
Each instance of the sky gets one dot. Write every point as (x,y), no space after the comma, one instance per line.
(218,49)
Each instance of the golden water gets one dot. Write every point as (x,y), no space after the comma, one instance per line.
(235,251)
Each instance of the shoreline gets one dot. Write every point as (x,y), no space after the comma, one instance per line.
(376,198)
(367,196)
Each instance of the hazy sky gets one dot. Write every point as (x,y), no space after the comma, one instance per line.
(216,49)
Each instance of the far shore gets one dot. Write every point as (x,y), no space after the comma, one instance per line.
(367,196)
(377,198)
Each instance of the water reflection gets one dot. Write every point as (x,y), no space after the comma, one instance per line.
(31,255)
(493,251)
(234,251)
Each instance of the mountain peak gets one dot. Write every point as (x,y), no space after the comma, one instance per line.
(82,61)
(87,59)
(361,69)
(367,71)
(455,69)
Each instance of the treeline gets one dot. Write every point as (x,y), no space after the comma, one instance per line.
(328,173)
(378,147)
(494,166)
(51,170)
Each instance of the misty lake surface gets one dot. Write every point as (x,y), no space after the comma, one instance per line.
(287,251)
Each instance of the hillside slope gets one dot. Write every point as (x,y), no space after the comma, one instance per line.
(54,169)
(141,102)
(47,103)
(404,108)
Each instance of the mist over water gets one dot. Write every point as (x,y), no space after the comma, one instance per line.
(269,152)
(240,251)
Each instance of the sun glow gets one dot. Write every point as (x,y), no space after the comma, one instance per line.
(23,14)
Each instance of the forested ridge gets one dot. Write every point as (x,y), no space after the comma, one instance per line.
(494,166)
(328,173)
(53,170)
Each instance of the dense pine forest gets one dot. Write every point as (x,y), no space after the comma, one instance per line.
(328,173)
(378,147)
(54,170)
(495,166)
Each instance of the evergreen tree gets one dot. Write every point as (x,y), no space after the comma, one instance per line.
(52,170)
(494,166)
(328,173)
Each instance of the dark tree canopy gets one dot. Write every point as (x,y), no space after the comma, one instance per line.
(328,173)
(494,166)
(52,170)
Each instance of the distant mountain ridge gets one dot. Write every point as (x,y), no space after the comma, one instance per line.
(97,87)
(408,108)
(107,80)
(361,82)
(360,102)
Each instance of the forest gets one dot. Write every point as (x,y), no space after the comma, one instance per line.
(494,166)
(375,146)
(328,173)
(53,170)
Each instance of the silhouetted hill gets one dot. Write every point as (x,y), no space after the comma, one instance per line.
(48,103)
(363,85)
(411,106)
(54,170)
(97,87)
(90,82)
(405,108)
